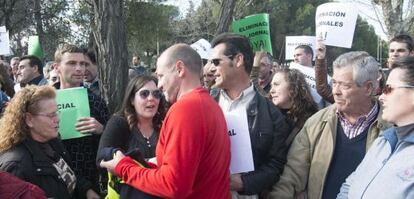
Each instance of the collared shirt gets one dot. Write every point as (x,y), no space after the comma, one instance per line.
(242,101)
(361,124)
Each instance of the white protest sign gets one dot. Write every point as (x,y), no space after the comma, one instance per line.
(203,48)
(335,23)
(293,41)
(4,41)
(241,149)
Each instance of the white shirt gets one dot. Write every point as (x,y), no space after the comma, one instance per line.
(242,101)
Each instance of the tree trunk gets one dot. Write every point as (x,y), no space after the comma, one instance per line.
(226,14)
(110,37)
(393,16)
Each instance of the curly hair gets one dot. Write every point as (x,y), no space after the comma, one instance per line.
(303,105)
(128,111)
(14,129)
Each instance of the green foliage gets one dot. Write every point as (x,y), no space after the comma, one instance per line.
(147,24)
(197,24)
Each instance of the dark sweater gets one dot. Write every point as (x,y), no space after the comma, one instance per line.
(83,150)
(347,156)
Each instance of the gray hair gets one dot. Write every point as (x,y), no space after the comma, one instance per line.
(364,67)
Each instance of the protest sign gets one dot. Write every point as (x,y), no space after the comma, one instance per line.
(256,28)
(203,47)
(35,48)
(293,41)
(241,149)
(4,41)
(335,23)
(72,104)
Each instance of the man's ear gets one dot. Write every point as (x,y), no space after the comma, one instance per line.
(239,60)
(369,85)
(36,68)
(180,68)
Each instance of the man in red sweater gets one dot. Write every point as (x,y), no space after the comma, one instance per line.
(193,151)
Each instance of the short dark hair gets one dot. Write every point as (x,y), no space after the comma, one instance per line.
(34,61)
(404,39)
(306,48)
(407,64)
(91,55)
(236,44)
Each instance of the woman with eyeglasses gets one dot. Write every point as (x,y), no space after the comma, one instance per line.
(135,126)
(31,150)
(387,170)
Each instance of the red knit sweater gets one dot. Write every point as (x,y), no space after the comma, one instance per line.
(193,153)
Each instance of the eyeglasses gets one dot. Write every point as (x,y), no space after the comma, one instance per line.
(216,62)
(388,89)
(49,115)
(157,94)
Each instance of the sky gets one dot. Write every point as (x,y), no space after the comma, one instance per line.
(365,10)
(183,5)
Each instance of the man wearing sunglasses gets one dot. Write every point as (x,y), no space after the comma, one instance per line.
(193,151)
(232,57)
(334,140)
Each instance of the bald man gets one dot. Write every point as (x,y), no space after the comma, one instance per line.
(193,151)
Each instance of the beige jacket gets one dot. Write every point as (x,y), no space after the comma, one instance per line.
(311,153)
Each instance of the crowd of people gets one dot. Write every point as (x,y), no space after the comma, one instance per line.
(311,135)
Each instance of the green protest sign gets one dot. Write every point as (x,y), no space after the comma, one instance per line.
(73,104)
(256,28)
(35,47)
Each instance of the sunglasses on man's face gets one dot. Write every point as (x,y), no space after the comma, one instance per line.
(144,94)
(217,61)
(388,89)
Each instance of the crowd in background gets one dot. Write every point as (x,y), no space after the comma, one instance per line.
(349,135)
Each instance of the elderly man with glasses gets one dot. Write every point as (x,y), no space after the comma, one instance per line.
(334,140)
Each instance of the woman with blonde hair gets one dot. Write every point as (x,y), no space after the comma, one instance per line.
(30,148)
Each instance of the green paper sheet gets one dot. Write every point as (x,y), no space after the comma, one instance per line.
(73,104)
(35,48)
(256,28)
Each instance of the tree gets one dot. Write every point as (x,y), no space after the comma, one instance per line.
(197,24)
(46,18)
(398,16)
(226,15)
(149,27)
(110,37)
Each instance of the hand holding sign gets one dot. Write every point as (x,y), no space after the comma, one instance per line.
(236,183)
(89,125)
(258,57)
(320,49)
